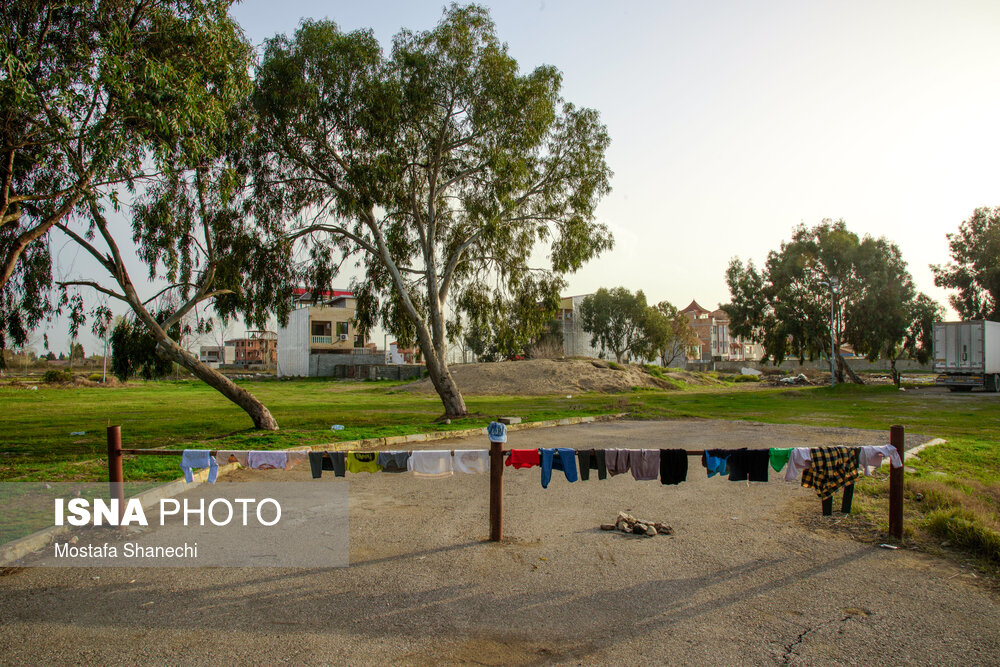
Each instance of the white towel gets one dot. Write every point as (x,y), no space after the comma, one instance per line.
(472,460)
(797,462)
(872,457)
(430,463)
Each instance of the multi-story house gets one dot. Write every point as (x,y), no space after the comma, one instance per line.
(317,328)
(257,348)
(714,339)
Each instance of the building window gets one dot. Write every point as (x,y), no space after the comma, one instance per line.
(342,328)
(320,328)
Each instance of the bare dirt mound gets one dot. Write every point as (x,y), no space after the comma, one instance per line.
(537,377)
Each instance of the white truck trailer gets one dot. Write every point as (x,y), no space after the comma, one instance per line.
(967,355)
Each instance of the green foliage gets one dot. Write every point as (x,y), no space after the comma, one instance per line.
(615,366)
(90,92)
(746,378)
(668,333)
(57,376)
(615,319)
(95,377)
(887,317)
(974,269)
(440,167)
(133,352)
(496,327)
(786,306)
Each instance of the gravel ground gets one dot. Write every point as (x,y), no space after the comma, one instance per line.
(743,580)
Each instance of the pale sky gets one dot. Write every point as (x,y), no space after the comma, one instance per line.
(732,122)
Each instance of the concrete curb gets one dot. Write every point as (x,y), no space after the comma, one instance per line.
(371,443)
(18,549)
(912,453)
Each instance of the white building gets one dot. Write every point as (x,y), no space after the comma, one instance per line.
(576,341)
(321,335)
(215,355)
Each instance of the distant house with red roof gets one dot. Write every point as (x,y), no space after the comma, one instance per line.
(714,339)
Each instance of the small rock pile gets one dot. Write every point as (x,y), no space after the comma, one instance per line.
(627,523)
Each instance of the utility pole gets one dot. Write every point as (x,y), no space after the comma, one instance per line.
(834,285)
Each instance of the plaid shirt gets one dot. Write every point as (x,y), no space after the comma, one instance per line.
(832,468)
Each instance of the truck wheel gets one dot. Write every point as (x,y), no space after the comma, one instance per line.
(993,383)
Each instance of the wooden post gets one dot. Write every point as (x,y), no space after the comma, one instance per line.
(116,478)
(496,492)
(896,439)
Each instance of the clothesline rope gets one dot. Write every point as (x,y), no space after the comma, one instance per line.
(116,477)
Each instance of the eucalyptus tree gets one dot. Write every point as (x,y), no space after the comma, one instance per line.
(974,269)
(190,227)
(191,232)
(616,320)
(89,88)
(438,168)
(786,306)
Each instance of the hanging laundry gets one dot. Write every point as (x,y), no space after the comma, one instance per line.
(318,462)
(716,461)
(872,457)
(339,461)
(617,460)
(232,456)
(199,458)
(830,469)
(645,464)
(797,462)
(472,460)
(362,462)
(748,465)
(523,458)
(430,463)
(673,466)
(560,458)
(592,459)
(779,457)
(267,460)
(295,458)
(393,461)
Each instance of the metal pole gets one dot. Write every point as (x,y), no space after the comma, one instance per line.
(496,492)
(116,477)
(833,344)
(896,439)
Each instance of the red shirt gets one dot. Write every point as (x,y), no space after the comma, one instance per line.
(523,458)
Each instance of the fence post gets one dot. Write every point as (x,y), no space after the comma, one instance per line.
(896,439)
(496,492)
(116,477)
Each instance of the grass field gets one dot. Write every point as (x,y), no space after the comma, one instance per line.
(959,482)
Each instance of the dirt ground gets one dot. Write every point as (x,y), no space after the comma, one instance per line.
(748,577)
(536,377)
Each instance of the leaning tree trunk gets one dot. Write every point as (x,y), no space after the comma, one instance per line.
(454,404)
(261,416)
(842,365)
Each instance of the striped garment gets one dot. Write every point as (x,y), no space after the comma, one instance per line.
(832,468)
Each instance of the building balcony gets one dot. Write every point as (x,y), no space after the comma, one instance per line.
(322,340)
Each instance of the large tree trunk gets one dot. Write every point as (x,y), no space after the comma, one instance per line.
(844,368)
(454,404)
(261,416)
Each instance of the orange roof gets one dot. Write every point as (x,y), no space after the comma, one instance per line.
(694,306)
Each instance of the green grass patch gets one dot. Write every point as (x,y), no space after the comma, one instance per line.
(958,482)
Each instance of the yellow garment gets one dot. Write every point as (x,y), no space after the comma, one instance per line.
(363,462)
